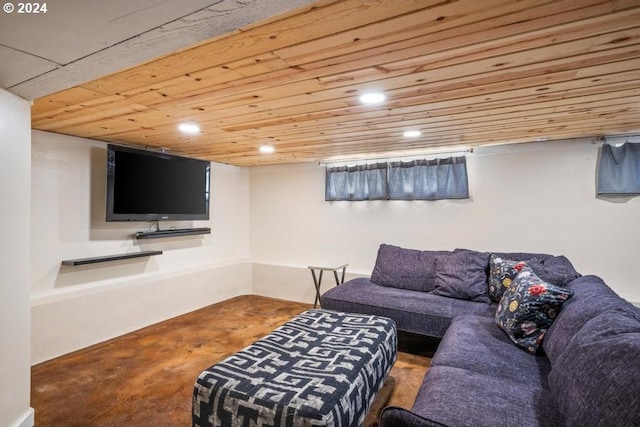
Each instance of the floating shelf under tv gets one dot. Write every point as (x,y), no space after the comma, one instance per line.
(107,258)
(171,233)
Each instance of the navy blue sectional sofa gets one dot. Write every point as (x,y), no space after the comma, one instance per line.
(526,340)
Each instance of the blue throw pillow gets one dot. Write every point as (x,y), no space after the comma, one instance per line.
(501,273)
(528,307)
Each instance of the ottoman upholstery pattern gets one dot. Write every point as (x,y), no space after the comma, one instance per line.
(322,368)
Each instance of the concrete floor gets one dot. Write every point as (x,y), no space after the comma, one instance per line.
(146,377)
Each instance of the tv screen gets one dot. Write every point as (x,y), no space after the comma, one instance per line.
(151,186)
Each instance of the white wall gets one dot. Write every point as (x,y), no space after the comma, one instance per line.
(531,197)
(269,223)
(15,159)
(73,307)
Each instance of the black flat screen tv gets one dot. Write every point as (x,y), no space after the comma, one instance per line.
(151,186)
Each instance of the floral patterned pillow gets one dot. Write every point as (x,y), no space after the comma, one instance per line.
(528,307)
(501,273)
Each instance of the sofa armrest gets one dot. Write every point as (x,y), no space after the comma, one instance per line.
(392,416)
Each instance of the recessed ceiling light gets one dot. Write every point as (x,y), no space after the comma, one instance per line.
(267,149)
(190,128)
(372,98)
(412,133)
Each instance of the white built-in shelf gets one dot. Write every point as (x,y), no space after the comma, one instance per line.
(108,258)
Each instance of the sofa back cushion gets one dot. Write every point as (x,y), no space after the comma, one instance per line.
(591,296)
(402,268)
(596,381)
(522,256)
(557,270)
(462,275)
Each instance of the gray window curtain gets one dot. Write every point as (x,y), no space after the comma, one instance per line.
(416,180)
(429,179)
(619,169)
(361,182)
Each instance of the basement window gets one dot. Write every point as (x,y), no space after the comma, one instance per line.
(619,170)
(355,183)
(423,179)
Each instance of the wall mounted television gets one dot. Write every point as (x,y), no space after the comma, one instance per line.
(152,186)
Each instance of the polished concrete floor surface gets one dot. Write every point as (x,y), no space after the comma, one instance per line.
(146,377)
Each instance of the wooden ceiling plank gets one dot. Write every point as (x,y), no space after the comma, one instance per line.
(485,109)
(481,137)
(494,112)
(391,143)
(426,21)
(568,53)
(417,118)
(435,75)
(435,86)
(625,4)
(297,104)
(434,108)
(484,30)
(217,77)
(57,103)
(236,115)
(438,132)
(432,124)
(95,117)
(582,37)
(455,127)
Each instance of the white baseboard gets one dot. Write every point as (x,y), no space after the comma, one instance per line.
(27,420)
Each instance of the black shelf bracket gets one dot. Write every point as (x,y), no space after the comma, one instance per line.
(107,258)
(171,233)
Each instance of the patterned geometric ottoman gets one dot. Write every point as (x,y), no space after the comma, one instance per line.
(322,368)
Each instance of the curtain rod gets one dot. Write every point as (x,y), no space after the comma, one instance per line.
(603,138)
(388,158)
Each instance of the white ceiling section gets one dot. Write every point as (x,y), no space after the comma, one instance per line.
(76,41)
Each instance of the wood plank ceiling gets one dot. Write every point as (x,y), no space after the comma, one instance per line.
(465,73)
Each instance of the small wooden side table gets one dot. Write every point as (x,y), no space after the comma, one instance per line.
(317,278)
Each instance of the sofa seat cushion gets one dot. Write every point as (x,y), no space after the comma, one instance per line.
(418,312)
(459,397)
(476,344)
(596,381)
(394,416)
